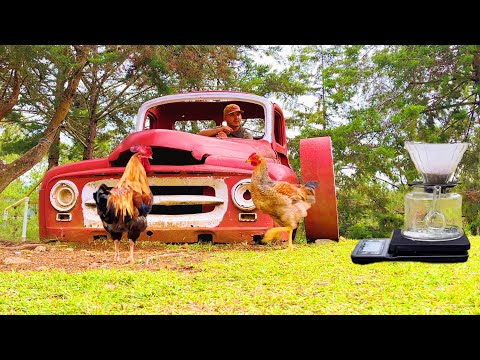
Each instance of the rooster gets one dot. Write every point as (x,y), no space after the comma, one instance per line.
(286,203)
(124,208)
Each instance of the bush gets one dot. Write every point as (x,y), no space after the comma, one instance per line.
(11,228)
(358,232)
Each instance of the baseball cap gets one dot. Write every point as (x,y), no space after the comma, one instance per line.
(230,108)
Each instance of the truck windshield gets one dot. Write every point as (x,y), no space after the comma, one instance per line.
(254,125)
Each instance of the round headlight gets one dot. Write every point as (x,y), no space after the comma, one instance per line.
(241,195)
(63,195)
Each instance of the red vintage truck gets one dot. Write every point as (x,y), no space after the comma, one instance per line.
(200,184)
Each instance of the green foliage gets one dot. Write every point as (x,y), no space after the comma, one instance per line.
(11,228)
(18,137)
(262,79)
(359,231)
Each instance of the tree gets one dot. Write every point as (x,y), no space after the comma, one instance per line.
(91,92)
(77,56)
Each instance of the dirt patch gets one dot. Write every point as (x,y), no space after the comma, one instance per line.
(77,257)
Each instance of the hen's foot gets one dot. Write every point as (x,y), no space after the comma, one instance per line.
(269,236)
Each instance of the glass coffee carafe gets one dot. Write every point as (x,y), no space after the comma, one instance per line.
(432,211)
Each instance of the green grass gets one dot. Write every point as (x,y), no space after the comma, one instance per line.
(314,279)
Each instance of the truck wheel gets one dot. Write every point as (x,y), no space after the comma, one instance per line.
(316,164)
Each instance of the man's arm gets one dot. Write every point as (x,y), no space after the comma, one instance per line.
(213,132)
(210,132)
(248,135)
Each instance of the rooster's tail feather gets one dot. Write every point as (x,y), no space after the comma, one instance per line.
(311,184)
(144,209)
(309,191)
(101,199)
(101,196)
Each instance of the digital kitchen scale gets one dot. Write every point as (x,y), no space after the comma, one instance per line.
(400,248)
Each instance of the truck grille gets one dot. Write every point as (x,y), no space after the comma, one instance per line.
(178,208)
(178,202)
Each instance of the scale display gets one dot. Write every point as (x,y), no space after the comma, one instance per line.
(370,250)
(371,247)
(375,250)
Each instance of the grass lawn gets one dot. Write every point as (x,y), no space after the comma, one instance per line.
(313,279)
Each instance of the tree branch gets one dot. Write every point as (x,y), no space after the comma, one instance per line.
(449,106)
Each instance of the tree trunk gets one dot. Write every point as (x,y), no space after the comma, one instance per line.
(7,106)
(54,152)
(36,154)
(88,152)
(476,66)
(92,129)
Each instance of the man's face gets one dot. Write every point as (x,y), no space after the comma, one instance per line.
(234,119)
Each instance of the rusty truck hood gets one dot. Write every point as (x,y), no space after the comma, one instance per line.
(221,154)
(217,151)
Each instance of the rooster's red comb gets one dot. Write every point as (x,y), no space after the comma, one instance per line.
(136,148)
(142,149)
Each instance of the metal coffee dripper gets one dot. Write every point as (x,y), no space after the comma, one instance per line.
(432,212)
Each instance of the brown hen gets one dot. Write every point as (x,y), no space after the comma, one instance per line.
(286,203)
